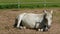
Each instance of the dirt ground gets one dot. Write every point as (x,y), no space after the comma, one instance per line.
(7,20)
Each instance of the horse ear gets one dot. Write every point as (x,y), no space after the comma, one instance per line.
(51,11)
(44,11)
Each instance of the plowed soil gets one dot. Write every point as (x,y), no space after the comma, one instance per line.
(7,20)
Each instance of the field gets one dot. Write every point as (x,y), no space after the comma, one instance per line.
(29,3)
(14,1)
(7,15)
(7,20)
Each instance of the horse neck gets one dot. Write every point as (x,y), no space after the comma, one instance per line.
(44,16)
(44,21)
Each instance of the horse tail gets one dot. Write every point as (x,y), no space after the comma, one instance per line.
(19,18)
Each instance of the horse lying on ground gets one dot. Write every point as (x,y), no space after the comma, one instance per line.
(35,21)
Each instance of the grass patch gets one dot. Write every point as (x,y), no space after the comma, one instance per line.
(13,4)
(8,6)
(39,5)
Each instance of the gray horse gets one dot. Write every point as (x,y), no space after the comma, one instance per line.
(41,22)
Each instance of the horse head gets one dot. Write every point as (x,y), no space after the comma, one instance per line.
(48,18)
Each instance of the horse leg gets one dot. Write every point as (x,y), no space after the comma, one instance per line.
(18,24)
(40,30)
(20,19)
(45,28)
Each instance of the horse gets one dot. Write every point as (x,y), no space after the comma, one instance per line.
(41,22)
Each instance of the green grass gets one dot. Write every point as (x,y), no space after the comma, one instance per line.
(39,0)
(29,1)
(39,5)
(10,3)
(7,1)
(15,1)
(29,5)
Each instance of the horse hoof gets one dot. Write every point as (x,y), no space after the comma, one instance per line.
(40,30)
(24,27)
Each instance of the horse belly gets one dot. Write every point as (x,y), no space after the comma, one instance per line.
(29,22)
